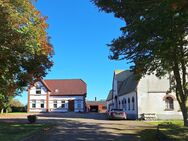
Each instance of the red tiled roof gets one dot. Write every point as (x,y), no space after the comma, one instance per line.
(66,87)
(103,103)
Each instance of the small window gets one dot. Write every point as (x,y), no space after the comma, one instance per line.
(125,106)
(129,104)
(55,103)
(133,103)
(169,103)
(38,89)
(42,103)
(63,104)
(33,103)
(79,104)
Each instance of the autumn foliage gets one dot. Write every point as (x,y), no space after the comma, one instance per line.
(25,49)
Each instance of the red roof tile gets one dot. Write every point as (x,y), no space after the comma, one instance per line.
(66,87)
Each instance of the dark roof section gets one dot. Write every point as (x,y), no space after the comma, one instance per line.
(128,85)
(103,103)
(66,87)
(109,96)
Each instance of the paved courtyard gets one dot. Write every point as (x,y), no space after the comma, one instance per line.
(82,127)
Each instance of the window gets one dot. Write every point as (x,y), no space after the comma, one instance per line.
(79,104)
(169,103)
(33,103)
(38,89)
(55,103)
(42,103)
(125,104)
(129,104)
(62,104)
(122,102)
(133,103)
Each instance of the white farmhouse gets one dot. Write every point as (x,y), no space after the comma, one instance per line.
(149,95)
(57,96)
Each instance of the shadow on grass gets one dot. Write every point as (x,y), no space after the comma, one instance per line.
(148,135)
(17,131)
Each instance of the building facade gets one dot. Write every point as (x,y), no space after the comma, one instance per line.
(57,96)
(96,106)
(149,95)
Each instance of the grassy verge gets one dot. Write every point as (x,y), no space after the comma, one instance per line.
(173,129)
(17,131)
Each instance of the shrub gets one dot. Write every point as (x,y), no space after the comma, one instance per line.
(19,109)
(32,118)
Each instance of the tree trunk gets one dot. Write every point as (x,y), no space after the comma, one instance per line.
(6,110)
(180,93)
(2,111)
(184,112)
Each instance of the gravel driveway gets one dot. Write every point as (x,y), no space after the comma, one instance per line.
(86,127)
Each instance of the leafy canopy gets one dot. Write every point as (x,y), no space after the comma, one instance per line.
(154,39)
(153,35)
(25,50)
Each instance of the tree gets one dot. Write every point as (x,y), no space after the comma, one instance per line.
(25,49)
(154,39)
(16,103)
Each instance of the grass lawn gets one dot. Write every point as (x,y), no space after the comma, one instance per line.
(17,131)
(173,129)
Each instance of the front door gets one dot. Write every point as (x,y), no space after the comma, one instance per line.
(71,105)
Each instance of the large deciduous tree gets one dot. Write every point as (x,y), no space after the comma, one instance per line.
(25,50)
(154,38)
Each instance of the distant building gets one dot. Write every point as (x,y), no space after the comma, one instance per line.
(96,106)
(57,96)
(145,96)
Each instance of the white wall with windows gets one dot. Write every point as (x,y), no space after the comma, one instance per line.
(37,105)
(153,98)
(127,102)
(37,97)
(38,88)
(61,103)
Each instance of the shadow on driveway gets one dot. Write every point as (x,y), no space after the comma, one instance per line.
(68,130)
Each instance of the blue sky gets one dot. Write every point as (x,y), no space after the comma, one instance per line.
(79,35)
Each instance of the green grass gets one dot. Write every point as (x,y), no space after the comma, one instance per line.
(17,131)
(173,129)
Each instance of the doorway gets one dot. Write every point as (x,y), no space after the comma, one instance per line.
(71,105)
(94,108)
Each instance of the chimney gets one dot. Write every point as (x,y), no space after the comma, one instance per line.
(95,98)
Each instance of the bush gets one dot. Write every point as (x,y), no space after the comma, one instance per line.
(32,118)
(19,109)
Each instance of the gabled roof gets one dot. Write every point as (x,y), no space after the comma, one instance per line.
(128,85)
(66,87)
(109,96)
(121,75)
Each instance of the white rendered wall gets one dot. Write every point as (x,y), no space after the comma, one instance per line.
(66,99)
(151,92)
(132,113)
(38,98)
